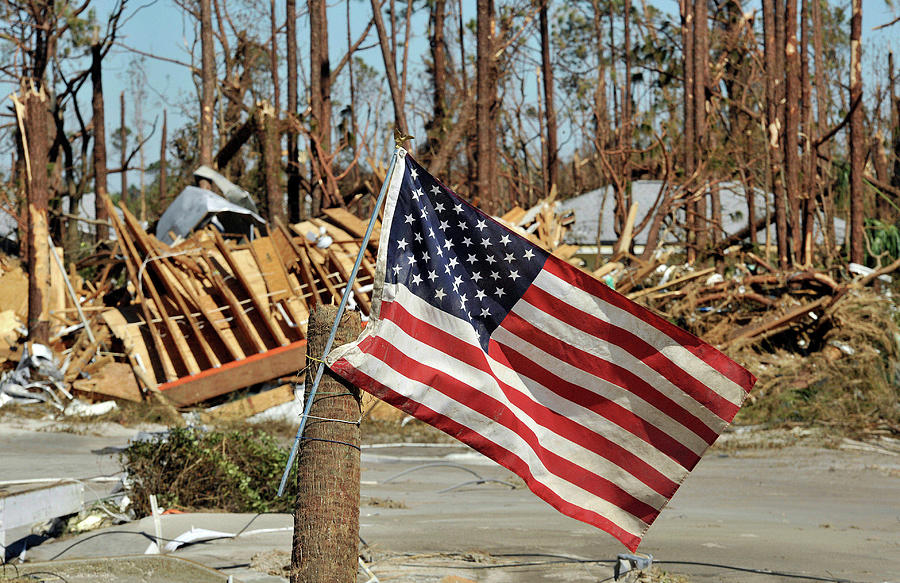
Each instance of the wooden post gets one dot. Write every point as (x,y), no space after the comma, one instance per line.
(326,511)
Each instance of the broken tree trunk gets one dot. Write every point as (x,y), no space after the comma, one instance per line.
(326,511)
(35,139)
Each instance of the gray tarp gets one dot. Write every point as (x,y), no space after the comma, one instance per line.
(196,207)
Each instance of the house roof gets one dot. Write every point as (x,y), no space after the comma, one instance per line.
(594,211)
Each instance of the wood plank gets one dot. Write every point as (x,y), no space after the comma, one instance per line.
(132,340)
(131,264)
(156,265)
(757,328)
(362,299)
(276,332)
(323,276)
(306,274)
(250,269)
(258,368)
(351,223)
(114,380)
(75,367)
(271,268)
(237,310)
(249,406)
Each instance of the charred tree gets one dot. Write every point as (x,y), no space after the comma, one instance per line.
(123,148)
(163,171)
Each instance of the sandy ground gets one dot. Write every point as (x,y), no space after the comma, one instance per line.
(807,512)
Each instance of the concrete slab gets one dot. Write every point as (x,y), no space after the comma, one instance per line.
(805,511)
(137,569)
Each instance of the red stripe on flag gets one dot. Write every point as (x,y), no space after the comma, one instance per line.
(604,407)
(555,422)
(593,326)
(502,415)
(501,455)
(608,371)
(696,346)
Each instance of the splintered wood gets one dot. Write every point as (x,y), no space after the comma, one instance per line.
(210,315)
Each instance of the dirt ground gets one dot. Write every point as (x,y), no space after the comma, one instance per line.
(760,507)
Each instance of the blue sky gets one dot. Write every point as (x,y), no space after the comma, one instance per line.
(160,28)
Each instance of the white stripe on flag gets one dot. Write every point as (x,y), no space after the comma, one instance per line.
(610,391)
(480,380)
(673,350)
(617,355)
(497,434)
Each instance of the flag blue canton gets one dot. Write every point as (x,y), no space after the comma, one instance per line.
(455,257)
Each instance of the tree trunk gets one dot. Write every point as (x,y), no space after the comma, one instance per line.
(390,67)
(824,185)
(701,72)
(99,150)
(487,108)
(123,148)
(807,192)
(600,113)
(895,122)
(208,83)
(689,139)
(435,127)
(552,147)
(857,138)
(792,168)
(37,138)
(326,511)
(267,136)
(163,171)
(320,91)
(294,203)
(773,76)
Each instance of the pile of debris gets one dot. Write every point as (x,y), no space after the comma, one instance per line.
(194,320)
(824,345)
(192,313)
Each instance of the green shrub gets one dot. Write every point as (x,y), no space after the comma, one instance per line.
(189,469)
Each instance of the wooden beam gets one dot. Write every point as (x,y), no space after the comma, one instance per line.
(362,299)
(237,310)
(274,330)
(131,256)
(258,368)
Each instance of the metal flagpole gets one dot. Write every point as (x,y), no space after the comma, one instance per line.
(337,319)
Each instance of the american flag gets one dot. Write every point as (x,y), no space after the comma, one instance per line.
(599,405)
